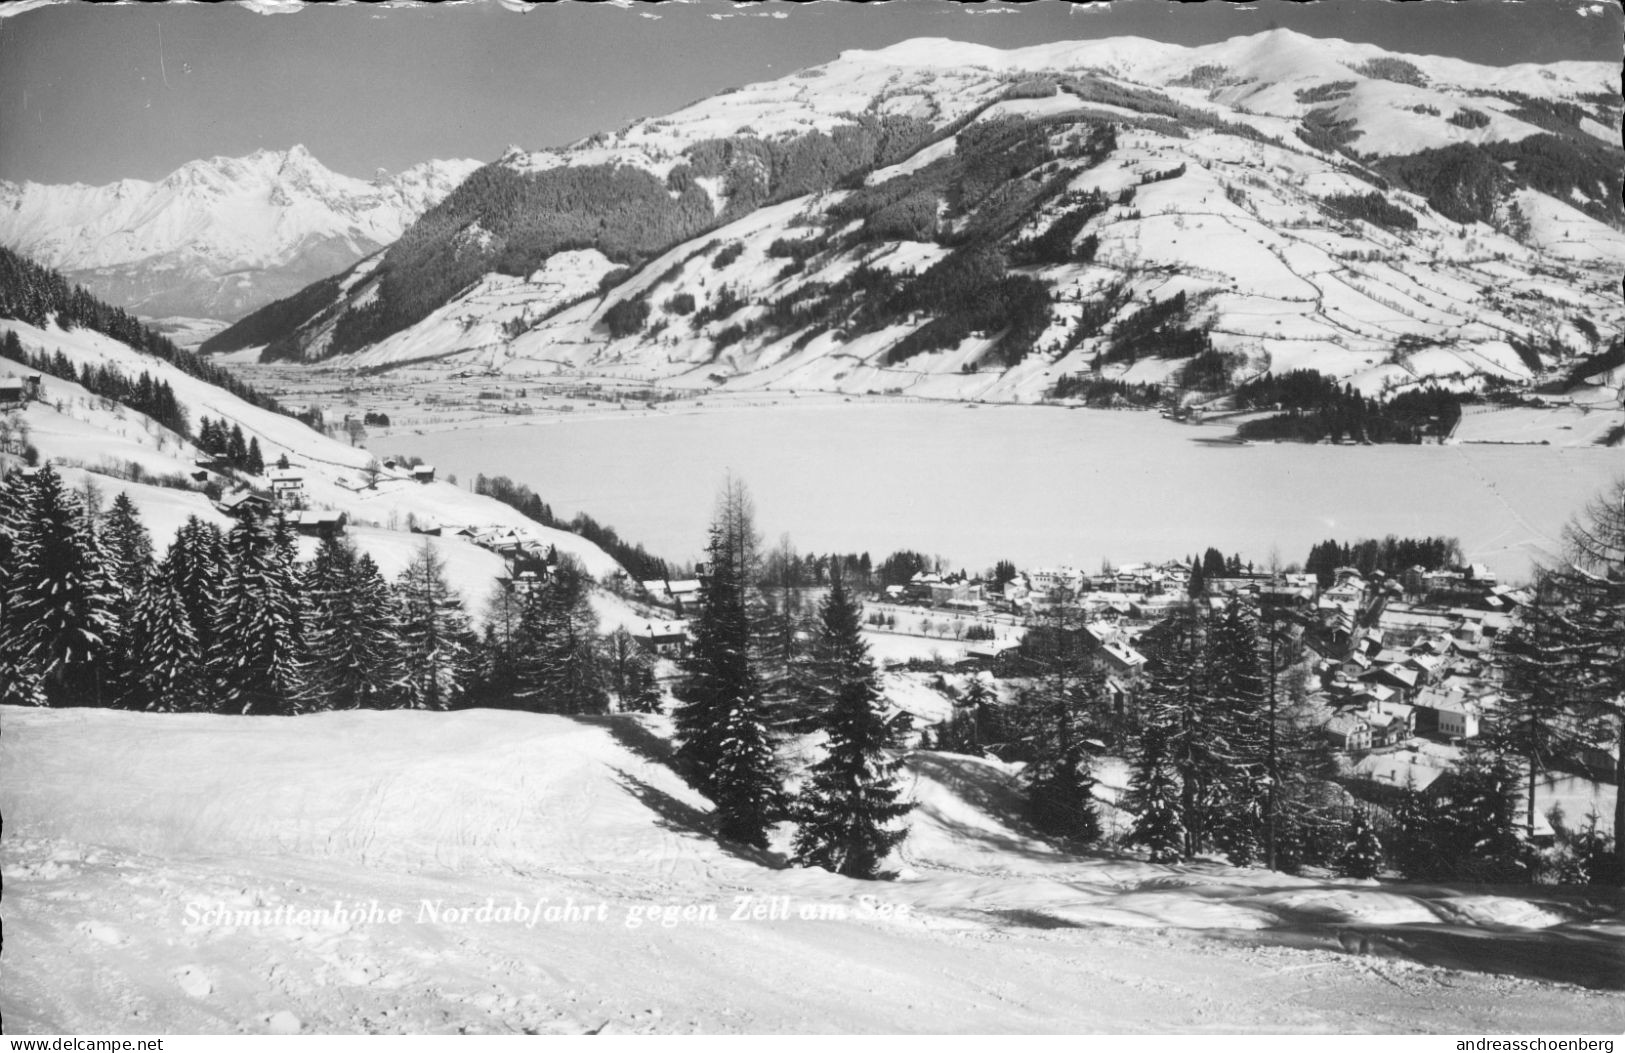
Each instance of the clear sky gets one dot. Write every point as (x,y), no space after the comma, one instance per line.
(94,93)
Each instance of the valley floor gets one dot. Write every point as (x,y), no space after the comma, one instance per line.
(133,841)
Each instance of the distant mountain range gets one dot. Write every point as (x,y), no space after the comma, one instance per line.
(222,237)
(947,219)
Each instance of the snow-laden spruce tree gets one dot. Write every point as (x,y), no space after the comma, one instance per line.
(59,617)
(353,652)
(1237,722)
(258,651)
(1362,851)
(1154,795)
(724,748)
(128,544)
(165,669)
(848,806)
(197,559)
(437,643)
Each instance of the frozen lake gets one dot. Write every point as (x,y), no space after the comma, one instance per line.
(1037,485)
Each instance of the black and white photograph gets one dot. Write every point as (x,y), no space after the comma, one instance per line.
(799,518)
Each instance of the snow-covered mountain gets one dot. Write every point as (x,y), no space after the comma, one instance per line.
(949,219)
(221,237)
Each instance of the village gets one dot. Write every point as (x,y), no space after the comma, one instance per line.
(1400,671)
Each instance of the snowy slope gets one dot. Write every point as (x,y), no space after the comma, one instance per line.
(75,429)
(133,840)
(218,238)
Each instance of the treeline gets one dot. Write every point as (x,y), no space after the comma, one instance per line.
(1056,243)
(1160,329)
(638,562)
(1391,556)
(1102,393)
(233,622)
(34,294)
(1317,408)
(1373,208)
(155,398)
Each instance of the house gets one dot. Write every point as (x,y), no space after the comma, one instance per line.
(13,393)
(666,639)
(423,473)
(1391,722)
(242,504)
(287,486)
(1122,659)
(1401,770)
(1348,732)
(323,524)
(1401,677)
(682,593)
(1448,713)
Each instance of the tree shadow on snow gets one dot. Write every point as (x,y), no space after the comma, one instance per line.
(683,818)
(1555,955)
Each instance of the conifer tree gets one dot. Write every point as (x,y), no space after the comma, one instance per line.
(197,559)
(1154,797)
(437,643)
(258,650)
(724,747)
(1580,626)
(1236,725)
(557,664)
(165,671)
(1055,716)
(255,462)
(353,649)
(60,613)
(845,809)
(1362,852)
(129,545)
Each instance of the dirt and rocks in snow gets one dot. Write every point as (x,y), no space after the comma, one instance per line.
(139,848)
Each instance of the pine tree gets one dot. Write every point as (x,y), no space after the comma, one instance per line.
(1054,715)
(165,667)
(1237,724)
(1362,852)
(353,656)
(197,559)
(437,642)
(724,748)
(1580,625)
(844,810)
(1154,796)
(129,545)
(255,462)
(557,664)
(258,650)
(60,612)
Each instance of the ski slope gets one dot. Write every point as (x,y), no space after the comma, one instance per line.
(134,839)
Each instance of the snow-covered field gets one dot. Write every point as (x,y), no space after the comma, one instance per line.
(1037,485)
(139,847)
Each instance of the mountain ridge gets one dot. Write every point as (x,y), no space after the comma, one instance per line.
(1448,202)
(222,236)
